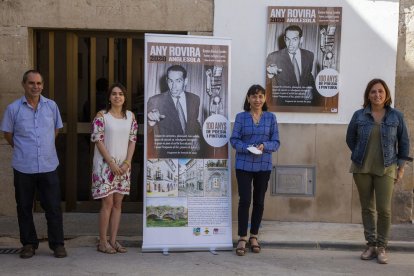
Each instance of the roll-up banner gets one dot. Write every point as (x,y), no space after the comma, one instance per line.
(187,191)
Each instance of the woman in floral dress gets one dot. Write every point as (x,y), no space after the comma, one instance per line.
(114,134)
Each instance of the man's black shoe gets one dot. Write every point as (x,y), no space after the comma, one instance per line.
(60,252)
(27,251)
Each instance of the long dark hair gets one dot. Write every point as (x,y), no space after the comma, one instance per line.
(253,90)
(388,100)
(108,97)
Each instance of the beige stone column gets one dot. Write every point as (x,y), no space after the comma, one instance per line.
(404,101)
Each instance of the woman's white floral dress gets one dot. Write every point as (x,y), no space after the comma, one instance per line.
(116,134)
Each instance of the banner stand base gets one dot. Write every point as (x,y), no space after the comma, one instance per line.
(213,251)
(166,249)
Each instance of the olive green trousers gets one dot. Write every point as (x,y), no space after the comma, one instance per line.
(375,195)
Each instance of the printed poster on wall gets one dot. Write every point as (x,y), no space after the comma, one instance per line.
(303,59)
(187,193)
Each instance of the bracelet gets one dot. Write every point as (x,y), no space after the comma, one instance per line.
(127,163)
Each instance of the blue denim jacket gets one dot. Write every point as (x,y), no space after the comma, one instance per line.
(394,136)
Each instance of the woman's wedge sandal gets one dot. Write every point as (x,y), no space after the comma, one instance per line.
(255,248)
(241,251)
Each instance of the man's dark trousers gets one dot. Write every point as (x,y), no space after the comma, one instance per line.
(48,188)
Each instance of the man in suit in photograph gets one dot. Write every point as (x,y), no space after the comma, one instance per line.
(292,66)
(175,112)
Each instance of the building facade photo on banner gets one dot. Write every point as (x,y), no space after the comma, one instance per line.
(187,192)
(303,59)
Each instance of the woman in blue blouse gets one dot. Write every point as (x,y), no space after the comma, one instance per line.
(255,136)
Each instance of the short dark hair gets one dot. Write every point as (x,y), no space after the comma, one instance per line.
(371,83)
(178,68)
(254,89)
(295,28)
(108,96)
(31,71)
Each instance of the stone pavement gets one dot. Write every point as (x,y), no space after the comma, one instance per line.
(81,229)
(83,261)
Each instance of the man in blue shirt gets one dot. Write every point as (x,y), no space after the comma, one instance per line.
(30,125)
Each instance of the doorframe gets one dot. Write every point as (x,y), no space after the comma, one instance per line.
(72,127)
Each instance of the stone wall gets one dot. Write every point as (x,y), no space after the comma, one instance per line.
(322,146)
(404,100)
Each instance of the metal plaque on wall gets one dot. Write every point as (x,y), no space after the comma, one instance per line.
(293,180)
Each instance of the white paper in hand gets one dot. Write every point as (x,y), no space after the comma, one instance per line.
(254,150)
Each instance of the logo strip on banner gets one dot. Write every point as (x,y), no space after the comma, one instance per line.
(187,191)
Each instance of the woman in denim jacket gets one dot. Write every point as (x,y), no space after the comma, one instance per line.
(378,138)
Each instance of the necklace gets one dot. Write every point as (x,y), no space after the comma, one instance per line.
(256,118)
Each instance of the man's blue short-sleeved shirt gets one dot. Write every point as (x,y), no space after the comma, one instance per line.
(33,134)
